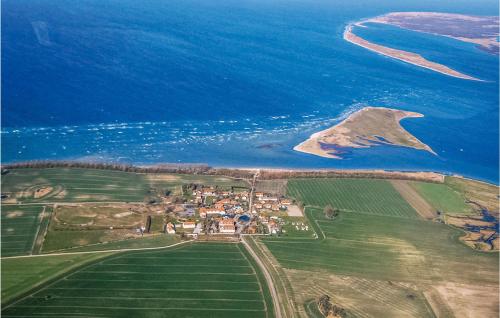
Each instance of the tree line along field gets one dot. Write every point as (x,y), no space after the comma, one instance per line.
(379,241)
(88,185)
(194,280)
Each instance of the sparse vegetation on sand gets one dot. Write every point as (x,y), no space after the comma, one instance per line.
(367,127)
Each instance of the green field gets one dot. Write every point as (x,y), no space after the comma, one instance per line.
(19,275)
(443,198)
(376,259)
(89,185)
(355,195)
(20,225)
(382,247)
(198,280)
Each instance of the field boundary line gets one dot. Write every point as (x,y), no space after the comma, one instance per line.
(58,278)
(103,251)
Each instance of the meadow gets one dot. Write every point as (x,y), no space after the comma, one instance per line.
(195,280)
(443,198)
(20,225)
(92,185)
(378,258)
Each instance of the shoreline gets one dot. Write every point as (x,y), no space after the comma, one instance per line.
(404,56)
(354,172)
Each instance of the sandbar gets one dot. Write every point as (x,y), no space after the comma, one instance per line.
(370,126)
(405,56)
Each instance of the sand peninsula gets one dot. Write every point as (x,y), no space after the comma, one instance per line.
(365,128)
(480,30)
(405,56)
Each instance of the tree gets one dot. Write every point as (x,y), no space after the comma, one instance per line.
(330,212)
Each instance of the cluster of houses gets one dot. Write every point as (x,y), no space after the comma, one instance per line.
(225,211)
(264,201)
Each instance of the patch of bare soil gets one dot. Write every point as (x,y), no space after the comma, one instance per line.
(294,210)
(14,214)
(162,177)
(467,300)
(42,191)
(414,199)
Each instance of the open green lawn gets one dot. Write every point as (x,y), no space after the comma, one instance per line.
(19,275)
(443,198)
(196,280)
(88,185)
(357,195)
(20,224)
(384,247)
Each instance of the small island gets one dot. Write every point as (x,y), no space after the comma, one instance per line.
(482,31)
(365,128)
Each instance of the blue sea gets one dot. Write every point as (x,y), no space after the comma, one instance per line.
(236,83)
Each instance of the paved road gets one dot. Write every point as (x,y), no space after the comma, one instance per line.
(274,294)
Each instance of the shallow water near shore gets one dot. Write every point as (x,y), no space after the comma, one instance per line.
(235,84)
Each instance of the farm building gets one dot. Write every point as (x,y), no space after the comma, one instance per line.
(227,226)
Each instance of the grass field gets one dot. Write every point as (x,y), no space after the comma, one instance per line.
(19,275)
(20,225)
(198,280)
(381,249)
(443,198)
(88,185)
(356,195)
(376,260)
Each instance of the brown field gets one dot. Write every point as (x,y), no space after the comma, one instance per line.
(414,199)
(42,191)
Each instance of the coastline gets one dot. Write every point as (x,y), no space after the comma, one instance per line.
(249,171)
(405,56)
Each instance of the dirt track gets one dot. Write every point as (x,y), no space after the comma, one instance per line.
(414,199)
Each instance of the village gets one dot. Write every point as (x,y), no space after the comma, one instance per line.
(210,210)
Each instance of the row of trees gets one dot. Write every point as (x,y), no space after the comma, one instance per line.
(330,310)
(164,168)
(234,173)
